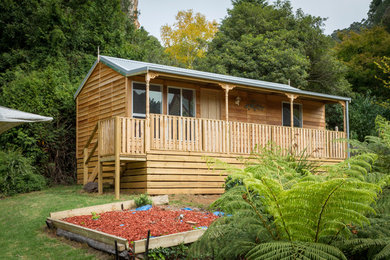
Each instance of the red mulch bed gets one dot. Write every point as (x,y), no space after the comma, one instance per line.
(134,225)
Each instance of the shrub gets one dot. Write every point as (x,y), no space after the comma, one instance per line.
(168,253)
(17,175)
(297,161)
(142,200)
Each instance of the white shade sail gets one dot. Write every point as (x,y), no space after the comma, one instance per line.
(10,118)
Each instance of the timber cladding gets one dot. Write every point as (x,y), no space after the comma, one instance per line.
(102,97)
(107,94)
(173,172)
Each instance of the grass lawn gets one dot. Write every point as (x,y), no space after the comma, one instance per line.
(22,223)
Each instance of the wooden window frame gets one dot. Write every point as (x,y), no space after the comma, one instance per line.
(181,100)
(138,115)
(300,113)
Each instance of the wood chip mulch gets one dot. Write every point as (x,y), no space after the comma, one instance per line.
(134,225)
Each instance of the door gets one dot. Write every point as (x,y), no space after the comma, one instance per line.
(210,104)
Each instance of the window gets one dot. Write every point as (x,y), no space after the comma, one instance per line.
(297,114)
(139,99)
(181,102)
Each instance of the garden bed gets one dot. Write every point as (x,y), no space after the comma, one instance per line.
(134,225)
(118,223)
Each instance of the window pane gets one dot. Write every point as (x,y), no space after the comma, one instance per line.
(174,101)
(286,114)
(297,115)
(139,96)
(188,103)
(155,99)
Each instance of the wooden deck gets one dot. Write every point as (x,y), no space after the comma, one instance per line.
(169,156)
(188,134)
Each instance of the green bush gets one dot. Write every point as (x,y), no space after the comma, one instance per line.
(17,175)
(168,253)
(142,200)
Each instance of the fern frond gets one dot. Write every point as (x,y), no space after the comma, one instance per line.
(384,253)
(294,250)
(379,246)
(324,207)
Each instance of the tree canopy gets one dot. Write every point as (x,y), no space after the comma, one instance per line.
(46,48)
(359,52)
(187,39)
(269,42)
(379,14)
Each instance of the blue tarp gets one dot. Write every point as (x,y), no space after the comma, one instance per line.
(220,214)
(144,208)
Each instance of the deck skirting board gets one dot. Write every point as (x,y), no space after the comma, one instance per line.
(174,172)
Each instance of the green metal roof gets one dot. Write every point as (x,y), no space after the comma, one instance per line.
(132,68)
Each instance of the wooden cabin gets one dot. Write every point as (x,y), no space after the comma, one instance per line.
(159,146)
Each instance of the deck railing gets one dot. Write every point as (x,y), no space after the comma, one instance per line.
(216,136)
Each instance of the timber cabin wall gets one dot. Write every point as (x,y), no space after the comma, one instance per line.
(101,98)
(168,172)
(269,114)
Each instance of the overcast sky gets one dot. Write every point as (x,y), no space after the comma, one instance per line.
(340,13)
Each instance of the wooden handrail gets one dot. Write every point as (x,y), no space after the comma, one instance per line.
(189,134)
(87,155)
(92,151)
(209,136)
(92,135)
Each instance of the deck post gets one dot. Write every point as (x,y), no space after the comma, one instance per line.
(117,147)
(292,97)
(345,125)
(148,76)
(227,88)
(85,166)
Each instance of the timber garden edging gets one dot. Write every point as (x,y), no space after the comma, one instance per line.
(106,242)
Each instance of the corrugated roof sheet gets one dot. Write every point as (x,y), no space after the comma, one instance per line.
(131,68)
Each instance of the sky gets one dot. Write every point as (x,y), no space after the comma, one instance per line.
(340,13)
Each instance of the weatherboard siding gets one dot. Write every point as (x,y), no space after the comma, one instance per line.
(107,93)
(102,97)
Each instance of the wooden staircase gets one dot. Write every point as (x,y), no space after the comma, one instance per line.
(107,170)
(108,173)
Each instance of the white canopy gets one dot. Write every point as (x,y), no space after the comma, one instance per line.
(11,117)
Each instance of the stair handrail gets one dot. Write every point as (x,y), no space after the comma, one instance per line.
(86,155)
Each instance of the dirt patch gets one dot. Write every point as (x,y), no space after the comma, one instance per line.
(198,201)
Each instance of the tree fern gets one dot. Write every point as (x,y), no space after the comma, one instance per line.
(280,213)
(373,240)
(294,250)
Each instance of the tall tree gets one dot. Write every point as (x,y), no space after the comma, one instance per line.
(360,52)
(384,66)
(379,14)
(268,42)
(46,48)
(187,39)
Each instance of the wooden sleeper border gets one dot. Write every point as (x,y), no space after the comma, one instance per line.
(139,246)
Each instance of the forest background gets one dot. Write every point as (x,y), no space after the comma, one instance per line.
(48,46)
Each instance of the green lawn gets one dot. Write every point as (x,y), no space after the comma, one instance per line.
(22,223)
